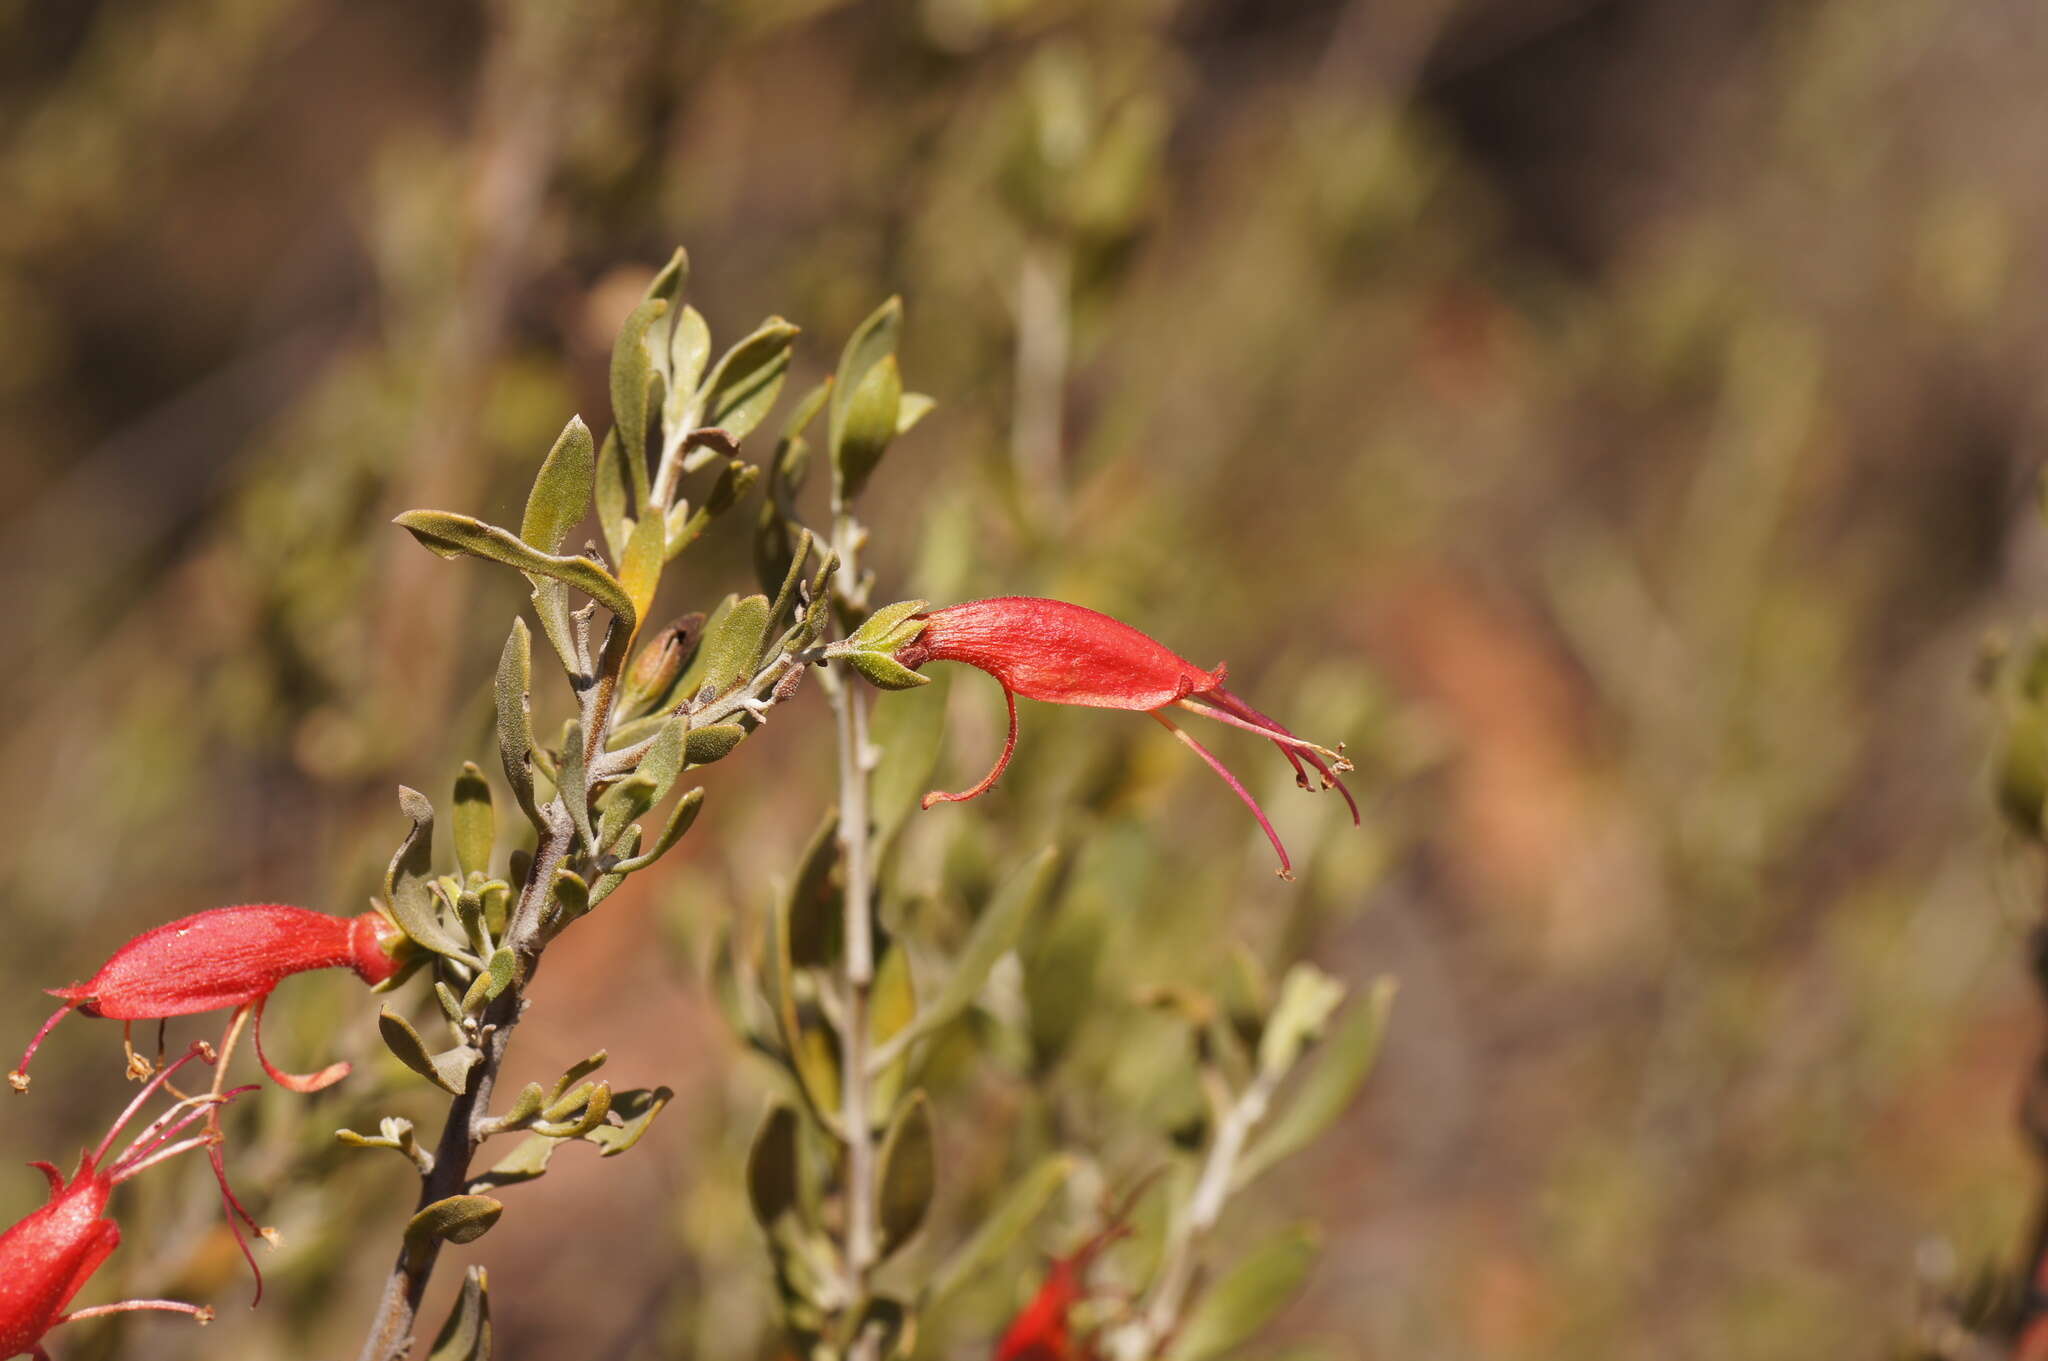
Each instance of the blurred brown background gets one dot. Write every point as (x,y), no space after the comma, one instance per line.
(1616,418)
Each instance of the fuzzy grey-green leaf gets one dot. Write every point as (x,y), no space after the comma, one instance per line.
(634,1110)
(743,388)
(874,338)
(631,375)
(884,672)
(561,492)
(452,535)
(448,1070)
(869,425)
(407,883)
(731,648)
(457,1219)
(476,829)
(515,717)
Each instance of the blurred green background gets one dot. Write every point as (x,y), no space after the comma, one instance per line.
(1616,419)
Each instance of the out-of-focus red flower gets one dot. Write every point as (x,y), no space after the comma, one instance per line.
(1065,654)
(47,1257)
(1043,1329)
(226,957)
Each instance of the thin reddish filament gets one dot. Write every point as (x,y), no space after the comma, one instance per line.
(141,1097)
(293,1082)
(198,1311)
(1227,702)
(988,780)
(18,1079)
(1286,866)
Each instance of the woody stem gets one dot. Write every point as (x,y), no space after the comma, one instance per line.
(856,760)
(467,1126)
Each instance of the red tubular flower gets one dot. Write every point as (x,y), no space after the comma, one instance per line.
(226,957)
(47,1257)
(1064,654)
(1042,1330)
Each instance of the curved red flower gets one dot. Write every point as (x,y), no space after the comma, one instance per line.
(225,957)
(50,1254)
(1067,654)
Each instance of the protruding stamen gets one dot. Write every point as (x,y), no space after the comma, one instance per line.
(18,1079)
(1286,866)
(1227,702)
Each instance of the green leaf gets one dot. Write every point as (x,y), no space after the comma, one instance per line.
(581,1117)
(527,1161)
(1247,1297)
(892,1007)
(815,905)
(408,882)
(640,567)
(890,627)
(466,1336)
(515,718)
(457,1219)
(744,386)
(561,492)
(679,820)
(476,830)
(486,986)
(713,742)
(619,805)
(869,425)
(914,407)
(573,784)
(909,1174)
(732,647)
(772,1171)
(1001,923)
(614,496)
(1003,1225)
(393,1132)
(871,341)
(558,501)
(668,282)
(635,1111)
(808,1048)
(909,729)
(453,535)
(448,1070)
(692,683)
(572,899)
(1341,1065)
(1307,997)
(689,349)
(884,672)
(633,373)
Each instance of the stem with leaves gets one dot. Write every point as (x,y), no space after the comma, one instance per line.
(688,699)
